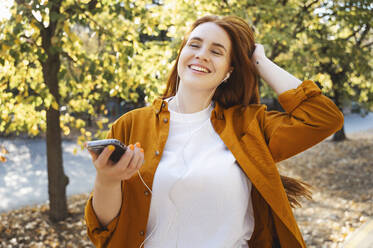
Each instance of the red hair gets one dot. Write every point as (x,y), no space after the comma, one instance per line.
(242,86)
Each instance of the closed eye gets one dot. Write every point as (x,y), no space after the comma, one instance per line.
(217,52)
(197,46)
(193,45)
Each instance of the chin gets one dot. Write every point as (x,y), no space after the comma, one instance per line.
(199,84)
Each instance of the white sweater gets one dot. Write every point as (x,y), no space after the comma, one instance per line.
(201,198)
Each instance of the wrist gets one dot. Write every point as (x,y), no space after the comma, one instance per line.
(260,59)
(106,183)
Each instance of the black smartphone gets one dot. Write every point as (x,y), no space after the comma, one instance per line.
(98,145)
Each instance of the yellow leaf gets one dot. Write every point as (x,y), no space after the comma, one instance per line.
(34,130)
(66,130)
(4,151)
(75,151)
(54,105)
(2,159)
(66,28)
(99,124)
(34,26)
(18,18)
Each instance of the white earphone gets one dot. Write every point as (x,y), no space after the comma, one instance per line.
(226,77)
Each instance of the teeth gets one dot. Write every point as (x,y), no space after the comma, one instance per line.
(197,68)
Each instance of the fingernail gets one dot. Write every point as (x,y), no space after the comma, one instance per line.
(132,147)
(138,144)
(111,147)
(141,150)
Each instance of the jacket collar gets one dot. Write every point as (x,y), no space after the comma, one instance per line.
(159,104)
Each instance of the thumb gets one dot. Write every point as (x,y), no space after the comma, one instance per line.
(93,155)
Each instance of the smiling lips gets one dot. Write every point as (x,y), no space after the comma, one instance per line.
(199,68)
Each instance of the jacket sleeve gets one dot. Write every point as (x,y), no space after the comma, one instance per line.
(309,118)
(98,234)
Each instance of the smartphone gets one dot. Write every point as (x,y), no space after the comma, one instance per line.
(98,145)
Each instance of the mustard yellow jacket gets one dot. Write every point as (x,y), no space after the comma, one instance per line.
(256,137)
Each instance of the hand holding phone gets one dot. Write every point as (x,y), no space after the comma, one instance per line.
(98,146)
(116,165)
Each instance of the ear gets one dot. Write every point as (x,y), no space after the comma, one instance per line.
(231,70)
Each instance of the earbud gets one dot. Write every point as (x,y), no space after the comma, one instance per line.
(226,77)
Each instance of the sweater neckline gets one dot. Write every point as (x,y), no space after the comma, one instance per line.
(199,116)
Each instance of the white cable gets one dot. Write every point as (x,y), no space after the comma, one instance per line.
(138,172)
(183,156)
(191,133)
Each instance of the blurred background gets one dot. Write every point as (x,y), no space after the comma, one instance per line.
(68,68)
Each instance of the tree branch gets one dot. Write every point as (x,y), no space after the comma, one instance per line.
(29,40)
(367,45)
(66,55)
(362,37)
(352,35)
(310,4)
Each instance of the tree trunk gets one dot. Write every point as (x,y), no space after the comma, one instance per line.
(340,135)
(57,180)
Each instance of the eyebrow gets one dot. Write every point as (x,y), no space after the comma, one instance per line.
(214,43)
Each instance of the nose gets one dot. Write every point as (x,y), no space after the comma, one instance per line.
(202,54)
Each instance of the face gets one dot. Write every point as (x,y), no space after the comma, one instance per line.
(205,59)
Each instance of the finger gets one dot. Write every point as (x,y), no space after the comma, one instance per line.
(135,160)
(140,163)
(126,157)
(142,160)
(93,155)
(105,154)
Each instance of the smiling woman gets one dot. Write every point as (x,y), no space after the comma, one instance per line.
(203,171)
(203,64)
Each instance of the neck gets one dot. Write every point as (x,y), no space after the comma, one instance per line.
(191,101)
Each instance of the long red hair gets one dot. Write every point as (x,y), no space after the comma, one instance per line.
(242,87)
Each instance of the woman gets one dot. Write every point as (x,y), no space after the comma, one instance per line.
(202,172)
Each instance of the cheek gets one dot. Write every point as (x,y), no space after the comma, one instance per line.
(183,60)
(222,66)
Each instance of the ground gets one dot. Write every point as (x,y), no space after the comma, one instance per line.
(341,177)
(340,173)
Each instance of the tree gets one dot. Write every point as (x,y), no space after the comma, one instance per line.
(327,41)
(345,52)
(336,47)
(45,68)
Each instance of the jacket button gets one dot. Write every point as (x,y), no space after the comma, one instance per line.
(165,120)
(146,192)
(156,153)
(142,233)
